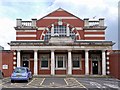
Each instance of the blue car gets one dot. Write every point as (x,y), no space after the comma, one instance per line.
(21,73)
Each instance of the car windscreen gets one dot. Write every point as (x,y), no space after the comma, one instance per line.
(20,70)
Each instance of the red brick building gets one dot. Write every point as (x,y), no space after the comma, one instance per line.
(62,44)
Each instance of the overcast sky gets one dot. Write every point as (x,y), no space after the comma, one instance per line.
(27,9)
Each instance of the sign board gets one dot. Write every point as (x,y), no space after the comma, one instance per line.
(5,66)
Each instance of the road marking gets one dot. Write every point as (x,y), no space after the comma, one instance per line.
(4,82)
(97,85)
(112,86)
(65,81)
(31,81)
(79,83)
(42,81)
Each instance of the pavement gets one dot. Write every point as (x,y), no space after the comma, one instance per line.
(64,82)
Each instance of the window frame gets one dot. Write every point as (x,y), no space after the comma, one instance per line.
(64,62)
(80,61)
(42,60)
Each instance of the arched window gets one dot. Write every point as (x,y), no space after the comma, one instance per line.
(60,31)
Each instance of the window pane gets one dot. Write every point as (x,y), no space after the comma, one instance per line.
(60,64)
(76,64)
(44,63)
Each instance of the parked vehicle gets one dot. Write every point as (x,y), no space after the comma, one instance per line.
(21,73)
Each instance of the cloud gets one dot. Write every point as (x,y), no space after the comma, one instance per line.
(27,9)
(7,33)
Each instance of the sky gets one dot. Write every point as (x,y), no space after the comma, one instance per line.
(10,10)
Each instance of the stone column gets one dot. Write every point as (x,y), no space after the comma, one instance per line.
(69,63)
(35,63)
(86,62)
(68,30)
(52,63)
(103,63)
(18,58)
(52,30)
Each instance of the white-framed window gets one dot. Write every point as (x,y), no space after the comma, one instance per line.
(60,62)
(44,61)
(60,31)
(76,61)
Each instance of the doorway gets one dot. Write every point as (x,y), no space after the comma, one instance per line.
(25,63)
(95,67)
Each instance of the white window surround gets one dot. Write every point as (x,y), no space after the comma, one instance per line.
(80,61)
(64,62)
(59,31)
(41,60)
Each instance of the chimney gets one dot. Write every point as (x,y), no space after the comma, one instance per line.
(34,22)
(86,22)
(101,22)
(19,22)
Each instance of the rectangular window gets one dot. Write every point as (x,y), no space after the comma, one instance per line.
(44,62)
(60,62)
(76,61)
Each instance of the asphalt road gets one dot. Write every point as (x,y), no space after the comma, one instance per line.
(56,82)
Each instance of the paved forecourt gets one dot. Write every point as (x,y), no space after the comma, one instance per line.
(57,82)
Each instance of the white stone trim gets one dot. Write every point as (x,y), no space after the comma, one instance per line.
(35,63)
(103,63)
(41,28)
(68,30)
(60,47)
(90,40)
(60,18)
(94,30)
(108,67)
(25,35)
(108,62)
(18,59)
(14,63)
(108,53)
(25,30)
(79,28)
(94,35)
(14,58)
(86,62)
(69,63)
(14,67)
(52,62)
(107,58)
(14,53)
(52,30)
(108,72)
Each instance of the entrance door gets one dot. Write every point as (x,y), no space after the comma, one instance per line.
(95,67)
(25,63)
